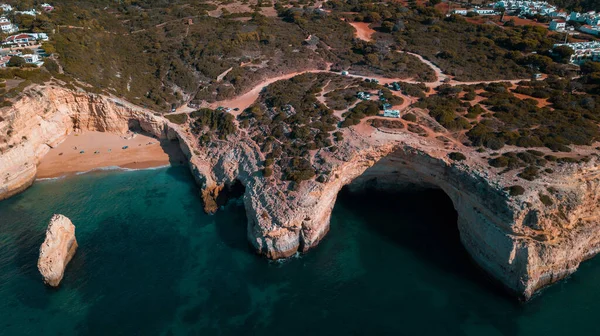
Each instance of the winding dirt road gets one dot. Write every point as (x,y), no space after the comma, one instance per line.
(244,100)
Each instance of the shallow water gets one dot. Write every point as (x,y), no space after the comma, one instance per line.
(151,262)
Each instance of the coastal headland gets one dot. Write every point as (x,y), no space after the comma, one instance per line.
(524,241)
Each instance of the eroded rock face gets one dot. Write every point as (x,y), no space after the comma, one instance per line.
(44,116)
(57,249)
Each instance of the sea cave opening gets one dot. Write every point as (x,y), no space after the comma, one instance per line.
(415,216)
(170,145)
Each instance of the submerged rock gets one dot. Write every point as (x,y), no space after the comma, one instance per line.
(57,249)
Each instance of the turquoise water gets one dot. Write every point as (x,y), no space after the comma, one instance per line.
(151,262)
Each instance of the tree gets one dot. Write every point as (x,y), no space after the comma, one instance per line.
(387,26)
(563,53)
(374,17)
(48,48)
(16,61)
(590,67)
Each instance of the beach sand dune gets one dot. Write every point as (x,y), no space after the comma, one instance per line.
(82,152)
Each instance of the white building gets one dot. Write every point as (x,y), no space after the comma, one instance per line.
(459,11)
(558,25)
(4,61)
(559,14)
(31,58)
(391,113)
(39,36)
(6,7)
(485,11)
(47,7)
(25,40)
(590,30)
(7,27)
(591,18)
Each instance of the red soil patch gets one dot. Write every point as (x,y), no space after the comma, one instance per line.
(522,22)
(363,31)
(540,102)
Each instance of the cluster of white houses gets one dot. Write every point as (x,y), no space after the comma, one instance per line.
(512,7)
(16,43)
(29,58)
(590,22)
(7,27)
(46,7)
(476,10)
(583,51)
(529,8)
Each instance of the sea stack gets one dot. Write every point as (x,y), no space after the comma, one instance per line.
(57,250)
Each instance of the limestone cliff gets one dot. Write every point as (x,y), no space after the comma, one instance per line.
(44,116)
(525,241)
(57,249)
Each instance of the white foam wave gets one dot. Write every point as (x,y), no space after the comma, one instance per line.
(107,168)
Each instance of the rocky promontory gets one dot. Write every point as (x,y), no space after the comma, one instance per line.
(57,249)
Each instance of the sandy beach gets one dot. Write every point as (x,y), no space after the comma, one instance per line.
(81,152)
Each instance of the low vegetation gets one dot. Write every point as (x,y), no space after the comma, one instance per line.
(288,122)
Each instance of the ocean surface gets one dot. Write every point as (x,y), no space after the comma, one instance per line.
(150,262)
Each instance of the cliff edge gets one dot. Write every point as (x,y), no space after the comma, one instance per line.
(525,240)
(57,249)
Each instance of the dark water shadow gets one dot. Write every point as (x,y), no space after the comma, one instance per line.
(436,239)
(425,223)
(176,172)
(231,224)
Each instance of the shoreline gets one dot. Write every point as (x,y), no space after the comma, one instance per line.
(100,169)
(82,153)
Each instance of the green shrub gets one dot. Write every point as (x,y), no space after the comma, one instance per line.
(456,156)
(546,200)
(178,119)
(499,162)
(515,190)
(530,173)
(410,117)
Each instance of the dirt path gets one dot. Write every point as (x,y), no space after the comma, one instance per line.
(244,100)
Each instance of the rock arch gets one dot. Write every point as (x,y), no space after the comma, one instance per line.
(494,228)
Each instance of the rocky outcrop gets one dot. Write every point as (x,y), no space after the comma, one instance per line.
(57,250)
